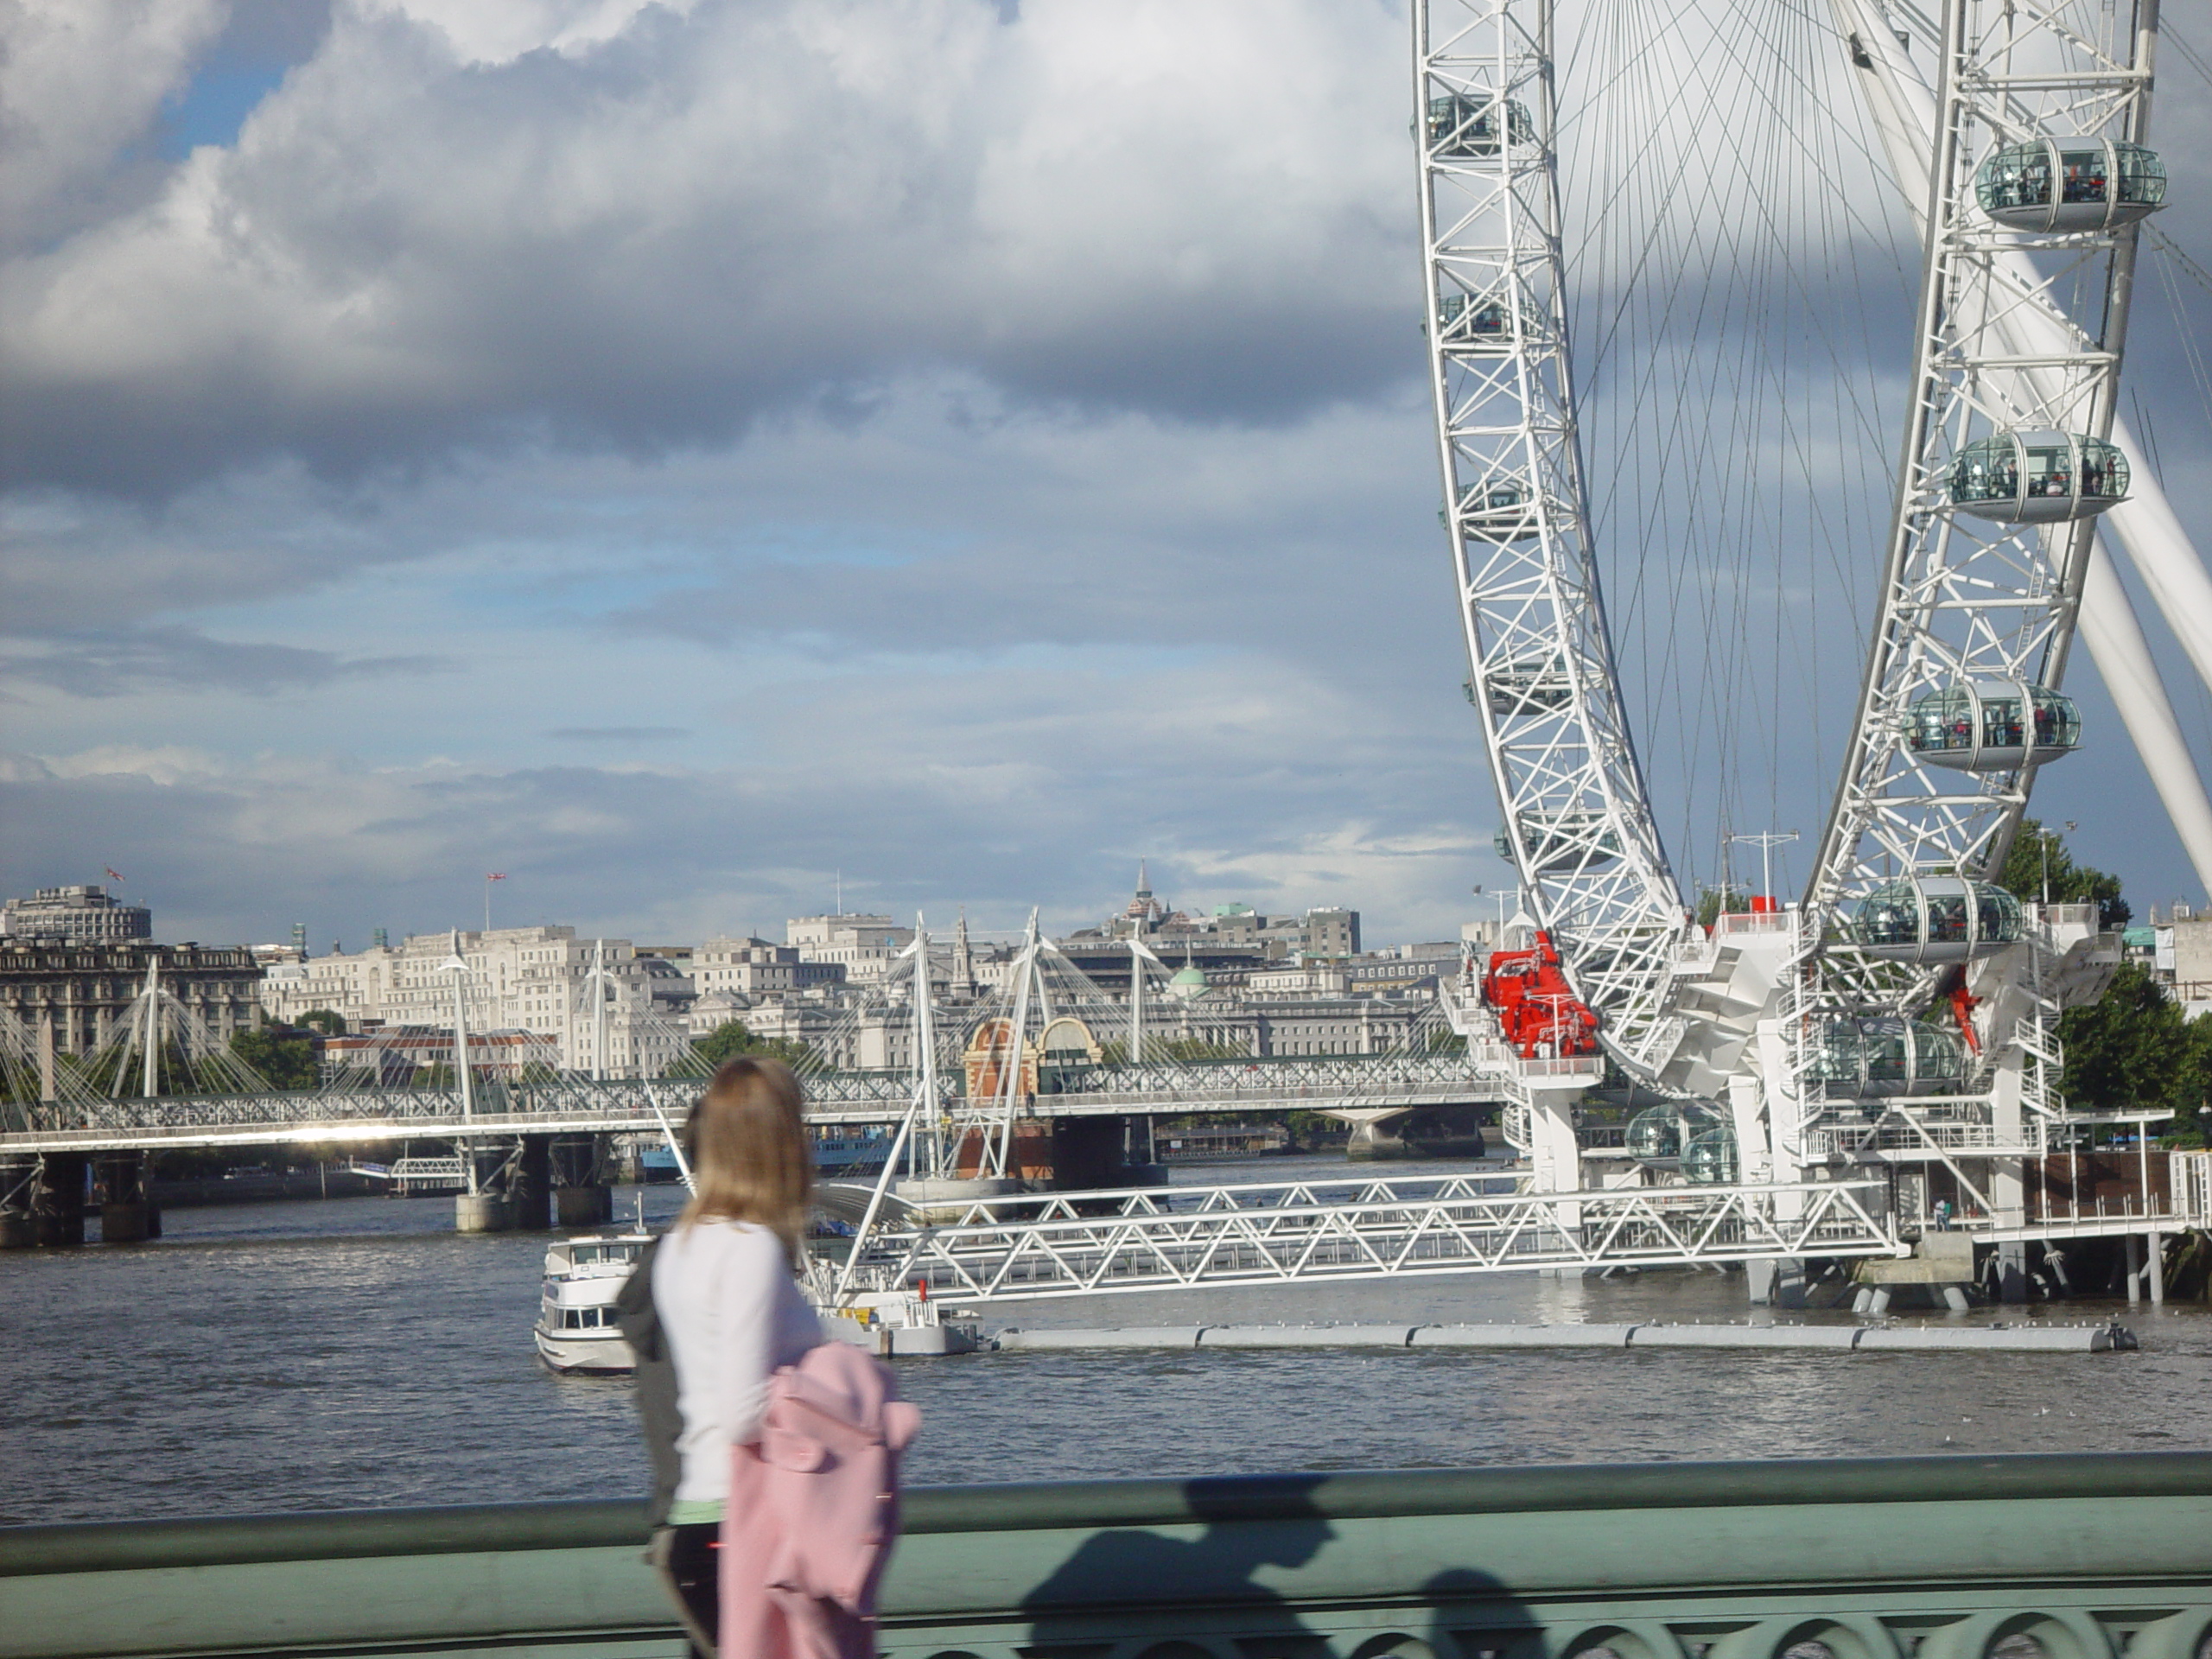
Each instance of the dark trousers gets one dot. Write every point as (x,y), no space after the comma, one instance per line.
(689,1560)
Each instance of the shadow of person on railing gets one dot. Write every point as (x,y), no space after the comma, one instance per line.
(1130,1581)
(1473,1616)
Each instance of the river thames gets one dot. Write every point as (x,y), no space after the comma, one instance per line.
(358,1352)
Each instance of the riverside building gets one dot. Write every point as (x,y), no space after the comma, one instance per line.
(73,959)
(85,914)
(537,979)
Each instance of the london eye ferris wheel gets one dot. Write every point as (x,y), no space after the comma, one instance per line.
(1957,490)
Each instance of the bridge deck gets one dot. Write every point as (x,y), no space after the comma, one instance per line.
(576,1106)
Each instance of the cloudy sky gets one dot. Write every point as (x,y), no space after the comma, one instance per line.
(682,455)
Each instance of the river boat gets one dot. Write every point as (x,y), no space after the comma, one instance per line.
(576,1329)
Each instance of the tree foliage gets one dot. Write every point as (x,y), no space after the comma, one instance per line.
(2025,870)
(329,1021)
(1713,901)
(734,1038)
(2133,1049)
(281,1055)
(1192,1049)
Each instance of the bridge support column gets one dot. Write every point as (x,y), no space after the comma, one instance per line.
(1555,1153)
(529,1188)
(582,1197)
(576,1209)
(2008,1189)
(127,1215)
(483,1212)
(1778,1281)
(17,1230)
(58,1200)
(2134,1252)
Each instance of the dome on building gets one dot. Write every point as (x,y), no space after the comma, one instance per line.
(1188,983)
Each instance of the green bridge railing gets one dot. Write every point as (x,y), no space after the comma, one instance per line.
(2080,1557)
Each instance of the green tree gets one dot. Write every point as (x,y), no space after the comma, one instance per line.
(2192,1095)
(285,1058)
(734,1038)
(2129,1049)
(1713,901)
(1197,1048)
(2038,856)
(329,1021)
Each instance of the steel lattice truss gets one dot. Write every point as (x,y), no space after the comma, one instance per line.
(1576,812)
(1093,1244)
(2017,331)
(580,1105)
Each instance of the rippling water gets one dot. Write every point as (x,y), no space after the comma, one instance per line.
(358,1352)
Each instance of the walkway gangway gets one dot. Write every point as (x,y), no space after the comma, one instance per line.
(1167,1239)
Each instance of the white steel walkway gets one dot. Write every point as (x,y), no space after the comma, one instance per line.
(1091,1244)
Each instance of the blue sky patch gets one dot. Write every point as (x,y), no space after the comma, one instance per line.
(215,105)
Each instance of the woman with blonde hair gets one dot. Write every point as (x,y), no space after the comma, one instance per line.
(724,1285)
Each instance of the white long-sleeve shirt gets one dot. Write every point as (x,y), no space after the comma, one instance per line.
(732,1313)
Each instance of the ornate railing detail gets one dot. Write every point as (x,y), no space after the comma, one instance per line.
(2090,1557)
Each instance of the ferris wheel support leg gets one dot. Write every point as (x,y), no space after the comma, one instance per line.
(1746,1109)
(1555,1152)
(1776,1281)
(2006,1184)
(2123,657)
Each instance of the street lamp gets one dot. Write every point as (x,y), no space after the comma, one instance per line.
(2045,837)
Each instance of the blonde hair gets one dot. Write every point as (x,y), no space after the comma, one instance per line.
(750,1159)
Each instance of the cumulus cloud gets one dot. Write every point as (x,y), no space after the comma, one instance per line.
(658,224)
(678,451)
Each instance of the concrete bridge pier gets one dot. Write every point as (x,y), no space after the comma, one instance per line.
(17,1231)
(127,1215)
(582,1196)
(483,1212)
(58,1200)
(530,1185)
(1090,1152)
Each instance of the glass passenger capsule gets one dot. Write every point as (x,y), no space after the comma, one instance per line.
(1564,841)
(1991,726)
(1531,685)
(1936,918)
(1460,124)
(2037,478)
(1660,1134)
(1709,1157)
(2071,184)
(1466,319)
(1502,510)
(1878,1058)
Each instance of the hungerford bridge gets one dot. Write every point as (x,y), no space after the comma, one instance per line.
(1822,1064)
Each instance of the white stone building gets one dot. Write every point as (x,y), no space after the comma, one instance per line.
(866,946)
(533,979)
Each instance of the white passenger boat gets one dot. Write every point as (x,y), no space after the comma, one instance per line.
(576,1328)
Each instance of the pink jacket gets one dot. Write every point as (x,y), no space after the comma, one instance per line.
(813,1510)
